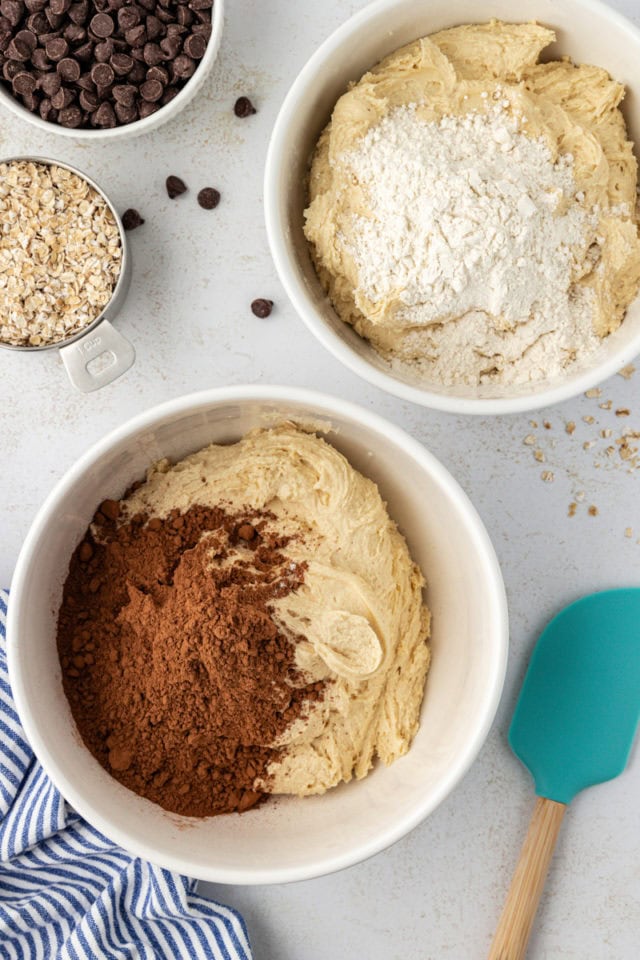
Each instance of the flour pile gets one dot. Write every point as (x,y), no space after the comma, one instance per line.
(472,211)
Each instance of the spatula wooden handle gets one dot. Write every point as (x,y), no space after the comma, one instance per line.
(512,936)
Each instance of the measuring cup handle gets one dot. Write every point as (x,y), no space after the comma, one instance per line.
(104,342)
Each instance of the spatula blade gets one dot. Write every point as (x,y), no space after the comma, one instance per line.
(579,706)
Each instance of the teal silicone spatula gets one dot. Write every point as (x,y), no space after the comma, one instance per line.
(573,727)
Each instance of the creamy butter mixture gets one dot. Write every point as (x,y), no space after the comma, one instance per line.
(358,620)
(474,210)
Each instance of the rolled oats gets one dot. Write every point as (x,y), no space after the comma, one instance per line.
(60,253)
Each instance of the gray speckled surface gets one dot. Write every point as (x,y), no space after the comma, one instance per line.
(437,894)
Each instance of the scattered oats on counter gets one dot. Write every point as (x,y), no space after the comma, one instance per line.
(60,253)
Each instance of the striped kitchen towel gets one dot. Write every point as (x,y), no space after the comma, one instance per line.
(68,893)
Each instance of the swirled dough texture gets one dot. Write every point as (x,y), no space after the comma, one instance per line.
(574,108)
(358,620)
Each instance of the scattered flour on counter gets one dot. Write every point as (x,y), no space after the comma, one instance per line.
(479,236)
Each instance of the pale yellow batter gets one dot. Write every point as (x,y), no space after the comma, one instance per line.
(360,607)
(574,108)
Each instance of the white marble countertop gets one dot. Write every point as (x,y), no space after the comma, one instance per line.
(437,894)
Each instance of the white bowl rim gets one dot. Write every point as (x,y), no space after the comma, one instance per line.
(324,404)
(277,232)
(138,127)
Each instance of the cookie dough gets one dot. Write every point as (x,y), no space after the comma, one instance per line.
(358,619)
(573,108)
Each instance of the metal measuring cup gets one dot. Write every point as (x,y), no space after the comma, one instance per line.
(97,354)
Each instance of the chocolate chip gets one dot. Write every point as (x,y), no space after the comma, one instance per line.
(158,73)
(31,101)
(40,60)
(74,33)
(55,19)
(131,219)
(70,116)
(169,94)
(13,10)
(262,308)
(175,187)
(63,98)
(88,100)
(151,90)
(84,53)
(104,93)
(208,198)
(27,39)
(69,70)
(202,29)
(50,83)
(195,46)
(126,112)
(183,67)
(57,48)
(246,531)
(33,6)
(153,55)
(59,6)
(125,94)
(79,12)
(138,73)
(102,25)
(24,83)
(171,46)
(146,108)
(38,23)
(243,107)
(105,116)
(128,16)
(104,51)
(11,67)
(18,51)
(200,4)
(46,111)
(102,74)
(155,28)
(136,36)
(184,16)
(121,64)
(86,83)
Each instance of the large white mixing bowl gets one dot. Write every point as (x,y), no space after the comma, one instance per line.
(286,838)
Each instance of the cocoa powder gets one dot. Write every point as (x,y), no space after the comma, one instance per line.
(178,678)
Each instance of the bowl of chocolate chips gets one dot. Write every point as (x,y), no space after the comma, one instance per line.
(97,69)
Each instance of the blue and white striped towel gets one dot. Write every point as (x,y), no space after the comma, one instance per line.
(68,893)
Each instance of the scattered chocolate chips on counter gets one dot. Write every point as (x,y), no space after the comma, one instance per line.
(243,107)
(175,187)
(131,219)
(208,198)
(100,63)
(262,308)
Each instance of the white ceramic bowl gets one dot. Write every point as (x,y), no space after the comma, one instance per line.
(587,30)
(130,130)
(285,839)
